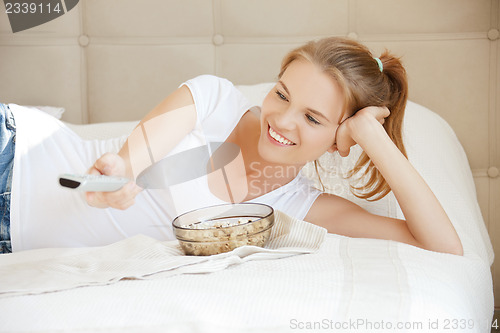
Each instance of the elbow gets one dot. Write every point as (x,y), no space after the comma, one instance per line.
(449,244)
(455,248)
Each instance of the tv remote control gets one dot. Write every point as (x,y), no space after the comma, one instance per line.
(92,183)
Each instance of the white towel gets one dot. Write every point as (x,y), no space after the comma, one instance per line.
(141,257)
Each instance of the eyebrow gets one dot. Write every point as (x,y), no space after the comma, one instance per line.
(317,113)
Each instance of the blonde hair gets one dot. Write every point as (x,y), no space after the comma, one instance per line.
(358,73)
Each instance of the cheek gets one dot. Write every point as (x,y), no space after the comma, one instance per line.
(322,140)
(268,104)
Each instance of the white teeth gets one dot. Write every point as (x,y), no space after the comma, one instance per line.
(279,138)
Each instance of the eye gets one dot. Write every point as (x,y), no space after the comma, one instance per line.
(281,96)
(312,120)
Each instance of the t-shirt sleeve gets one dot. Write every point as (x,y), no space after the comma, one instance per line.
(219,105)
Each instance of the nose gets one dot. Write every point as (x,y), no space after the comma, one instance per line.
(286,120)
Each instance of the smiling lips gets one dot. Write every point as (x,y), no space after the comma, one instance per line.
(278,138)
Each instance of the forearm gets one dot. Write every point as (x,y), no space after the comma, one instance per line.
(159,132)
(425,217)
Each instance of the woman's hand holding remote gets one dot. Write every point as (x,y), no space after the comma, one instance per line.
(112,165)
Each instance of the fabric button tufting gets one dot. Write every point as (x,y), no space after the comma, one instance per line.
(218,39)
(493,172)
(493,34)
(83,40)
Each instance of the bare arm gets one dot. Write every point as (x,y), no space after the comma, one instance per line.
(157,133)
(427,224)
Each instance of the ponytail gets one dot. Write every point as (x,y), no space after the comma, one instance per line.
(394,78)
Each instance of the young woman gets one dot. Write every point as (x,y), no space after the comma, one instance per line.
(331,95)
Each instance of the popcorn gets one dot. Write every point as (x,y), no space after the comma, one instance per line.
(219,235)
(211,248)
(222,228)
(211,224)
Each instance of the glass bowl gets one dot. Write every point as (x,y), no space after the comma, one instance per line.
(222,228)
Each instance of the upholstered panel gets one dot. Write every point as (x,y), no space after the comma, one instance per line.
(148,18)
(36,74)
(112,60)
(283,18)
(266,58)
(424,16)
(123,84)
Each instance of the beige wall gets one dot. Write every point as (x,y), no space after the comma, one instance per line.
(115,59)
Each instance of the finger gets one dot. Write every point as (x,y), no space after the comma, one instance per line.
(93,200)
(333,148)
(123,197)
(131,189)
(116,198)
(106,164)
(344,152)
(93,171)
(381,113)
(344,147)
(91,197)
(387,112)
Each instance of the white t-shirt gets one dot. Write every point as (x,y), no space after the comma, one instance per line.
(43,214)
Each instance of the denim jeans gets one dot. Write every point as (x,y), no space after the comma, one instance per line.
(7,147)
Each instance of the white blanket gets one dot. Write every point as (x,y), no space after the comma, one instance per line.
(141,257)
(351,284)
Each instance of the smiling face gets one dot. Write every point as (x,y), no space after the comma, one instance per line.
(300,115)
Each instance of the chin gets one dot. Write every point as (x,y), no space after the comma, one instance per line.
(264,152)
(272,155)
(267,153)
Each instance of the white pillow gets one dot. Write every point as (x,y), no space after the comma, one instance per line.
(101,131)
(54,111)
(435,151)
(257,92)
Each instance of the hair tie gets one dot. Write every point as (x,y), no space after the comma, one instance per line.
(380,65)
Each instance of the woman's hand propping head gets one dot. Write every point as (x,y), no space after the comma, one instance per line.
(357,127)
